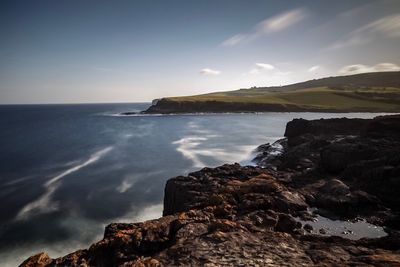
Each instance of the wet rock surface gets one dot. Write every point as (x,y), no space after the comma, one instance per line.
(249,216)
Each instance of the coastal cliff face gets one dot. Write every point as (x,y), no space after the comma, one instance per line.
(234,215)
(166,106)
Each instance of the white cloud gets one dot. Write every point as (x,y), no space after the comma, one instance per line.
(281,21)
(314,68)
(267,26)
(264,66)
(387,27)
(208,71)
(261,67)
(359,68)
(386,67)
(234,40)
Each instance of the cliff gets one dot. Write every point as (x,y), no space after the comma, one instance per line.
(168,106)
(347,169)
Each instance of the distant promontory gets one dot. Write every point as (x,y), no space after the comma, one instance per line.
(367,92)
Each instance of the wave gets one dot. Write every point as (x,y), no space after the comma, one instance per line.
(189,147)
(124,186)
(44,204)
(185,114)
(149,212)
(192,148)
(131,115)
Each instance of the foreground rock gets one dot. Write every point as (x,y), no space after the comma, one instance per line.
(250,216)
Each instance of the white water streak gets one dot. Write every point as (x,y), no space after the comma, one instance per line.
(190,148)
(44,204)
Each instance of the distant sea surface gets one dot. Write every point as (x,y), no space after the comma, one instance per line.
(66,171)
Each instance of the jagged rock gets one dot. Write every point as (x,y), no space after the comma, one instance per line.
(39,260)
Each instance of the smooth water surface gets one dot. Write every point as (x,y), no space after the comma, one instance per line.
(347,229)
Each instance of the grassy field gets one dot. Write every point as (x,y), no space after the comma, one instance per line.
(344,98)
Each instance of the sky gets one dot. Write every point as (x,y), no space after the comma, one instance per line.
(73,51)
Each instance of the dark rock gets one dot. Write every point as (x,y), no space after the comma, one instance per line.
(287,223)
(335,187)
(308,228)
(300,127)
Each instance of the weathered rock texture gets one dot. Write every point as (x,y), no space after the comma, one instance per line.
(245,216)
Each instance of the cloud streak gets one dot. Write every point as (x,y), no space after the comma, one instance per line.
(261,67)
(314,68)
(386,27)
(207,71)
(271,25)
(359,68)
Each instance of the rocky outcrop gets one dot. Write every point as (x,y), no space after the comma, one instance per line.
(298,130)
(256,216)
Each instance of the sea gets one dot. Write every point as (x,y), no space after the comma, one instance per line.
(66,171)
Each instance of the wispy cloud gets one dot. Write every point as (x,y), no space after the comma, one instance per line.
(261,67)
(264,66)
(267,26)
(314,68)
(359,68)
(208,71)
(387,27)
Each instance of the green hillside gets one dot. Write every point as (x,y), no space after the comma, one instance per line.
(362,92)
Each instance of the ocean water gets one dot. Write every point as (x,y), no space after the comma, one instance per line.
(66,171)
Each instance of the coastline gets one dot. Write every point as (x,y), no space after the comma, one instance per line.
(260,205)
(166,106)
(143,114)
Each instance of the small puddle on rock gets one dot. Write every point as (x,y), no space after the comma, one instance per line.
(346,229)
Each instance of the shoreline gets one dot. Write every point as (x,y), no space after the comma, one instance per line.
(141,114)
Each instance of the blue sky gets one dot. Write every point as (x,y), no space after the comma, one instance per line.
(135,51)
